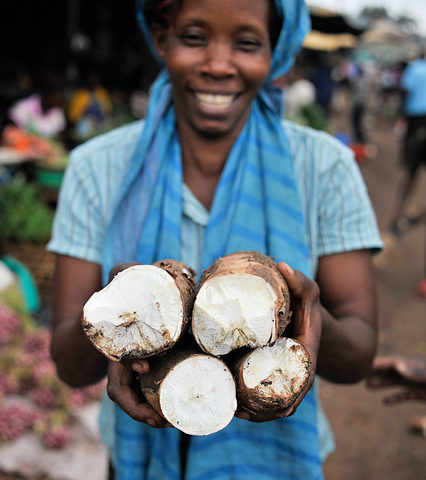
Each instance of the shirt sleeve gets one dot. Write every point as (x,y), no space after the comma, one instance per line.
(345,214)
(78,228)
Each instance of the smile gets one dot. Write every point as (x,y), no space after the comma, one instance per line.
(215,101)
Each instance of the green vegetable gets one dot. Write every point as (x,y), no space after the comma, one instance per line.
(24,217)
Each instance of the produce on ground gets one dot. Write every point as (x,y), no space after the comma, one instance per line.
(143,310)
(24,215)
(243,300)
(32,398)
(193,391)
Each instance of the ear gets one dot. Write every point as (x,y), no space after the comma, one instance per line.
(159,39)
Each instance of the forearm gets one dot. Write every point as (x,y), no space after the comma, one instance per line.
(78,363)
(347,348)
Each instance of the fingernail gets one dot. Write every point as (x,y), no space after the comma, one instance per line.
(139,367)
(151,422)
(289,269)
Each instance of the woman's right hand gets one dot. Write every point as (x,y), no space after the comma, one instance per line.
(123,388)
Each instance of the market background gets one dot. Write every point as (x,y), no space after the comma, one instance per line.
(373,441)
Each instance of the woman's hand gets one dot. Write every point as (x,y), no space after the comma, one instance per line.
(124,389)
(305,327)
(399,371)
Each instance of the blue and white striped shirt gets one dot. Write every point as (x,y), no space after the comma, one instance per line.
(336,206)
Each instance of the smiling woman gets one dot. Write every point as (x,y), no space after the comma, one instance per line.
(211,171)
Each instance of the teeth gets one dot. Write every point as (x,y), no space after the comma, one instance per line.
(214,100)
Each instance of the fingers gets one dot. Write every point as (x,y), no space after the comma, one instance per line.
(243,414)
(306,322)
(264,417)
(299,284)
(260,417)
(138,366)
(394,370)
(123,389)
(413,370)
(401,396)
(384,363)
(382,380)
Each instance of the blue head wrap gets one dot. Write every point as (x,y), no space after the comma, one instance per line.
(256,207)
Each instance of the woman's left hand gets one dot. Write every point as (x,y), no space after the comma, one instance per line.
(305,327)
(123,388)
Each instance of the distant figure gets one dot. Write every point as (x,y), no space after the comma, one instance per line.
(299,99)
(361,88)
(324,82)
(298,93)
(413,83)
(90,108)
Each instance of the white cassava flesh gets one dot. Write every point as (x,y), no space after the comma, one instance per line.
(197,395)
(242,301)
(141,312)
(272,377)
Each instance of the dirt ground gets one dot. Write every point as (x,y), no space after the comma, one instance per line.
(374,441)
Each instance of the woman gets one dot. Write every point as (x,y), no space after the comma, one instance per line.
(211,171)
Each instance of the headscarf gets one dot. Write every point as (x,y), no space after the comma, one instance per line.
(256,206)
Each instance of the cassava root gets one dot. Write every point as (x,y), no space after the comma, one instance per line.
(243,300)
(142,311)
(270,379)
(193,391)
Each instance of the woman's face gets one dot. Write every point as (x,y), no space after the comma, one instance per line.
(218,56)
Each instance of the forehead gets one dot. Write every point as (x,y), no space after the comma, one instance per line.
(222,12)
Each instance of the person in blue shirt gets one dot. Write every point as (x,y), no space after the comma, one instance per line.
(413,157)
(413,84)
(213,169)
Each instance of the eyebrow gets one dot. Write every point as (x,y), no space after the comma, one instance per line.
(240,28)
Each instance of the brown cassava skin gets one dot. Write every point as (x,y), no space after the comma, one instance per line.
(184,278)
(255,263)
(261,399)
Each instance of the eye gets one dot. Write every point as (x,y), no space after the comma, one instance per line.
(192,38)
(248,44)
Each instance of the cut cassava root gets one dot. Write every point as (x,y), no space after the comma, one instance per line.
(142,311)
(193,391)
(243,300)
(269,379)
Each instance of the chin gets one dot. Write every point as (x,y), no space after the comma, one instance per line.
(213,132)
(216,128)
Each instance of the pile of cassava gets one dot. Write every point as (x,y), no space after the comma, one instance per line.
(242,306)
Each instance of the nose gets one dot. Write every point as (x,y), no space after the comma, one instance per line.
(218,62)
